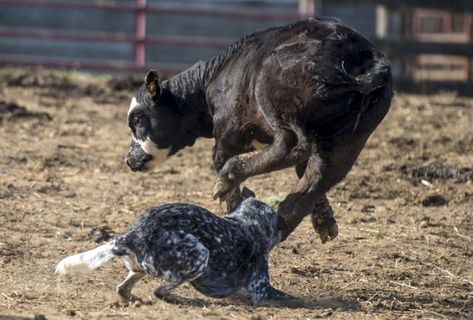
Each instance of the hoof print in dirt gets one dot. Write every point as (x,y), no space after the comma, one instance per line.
(435,200)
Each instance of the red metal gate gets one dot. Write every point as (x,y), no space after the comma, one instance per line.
(140,39)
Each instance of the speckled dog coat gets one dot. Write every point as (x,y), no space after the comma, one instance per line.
(220,256)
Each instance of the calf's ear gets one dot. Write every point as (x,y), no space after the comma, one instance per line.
(153,84)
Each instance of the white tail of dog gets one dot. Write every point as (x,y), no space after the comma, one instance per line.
(87,261)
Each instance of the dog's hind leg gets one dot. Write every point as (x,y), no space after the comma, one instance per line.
(124,288)
(177,259)
(134,275)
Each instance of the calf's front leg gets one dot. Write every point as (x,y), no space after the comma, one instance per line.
(285,151)
(221,153)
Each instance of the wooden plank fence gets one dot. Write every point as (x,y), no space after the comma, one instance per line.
(432,47)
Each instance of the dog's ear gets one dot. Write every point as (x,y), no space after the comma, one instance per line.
(247,193)
(153,84)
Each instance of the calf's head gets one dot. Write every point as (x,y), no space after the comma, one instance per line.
(154,126)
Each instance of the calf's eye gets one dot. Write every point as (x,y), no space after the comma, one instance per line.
(137,122)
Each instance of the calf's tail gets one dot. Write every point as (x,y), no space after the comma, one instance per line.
(378,75)
(88,260)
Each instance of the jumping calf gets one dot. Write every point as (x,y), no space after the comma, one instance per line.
(306,95)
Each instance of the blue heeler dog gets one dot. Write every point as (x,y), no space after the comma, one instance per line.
(220,256)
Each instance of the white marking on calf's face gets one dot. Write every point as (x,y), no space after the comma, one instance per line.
(148,146)
(159,155)
(133,105)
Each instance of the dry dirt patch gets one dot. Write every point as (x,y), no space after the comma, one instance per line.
(64,186)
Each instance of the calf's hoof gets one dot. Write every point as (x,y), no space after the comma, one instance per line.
(326,227)
(223,188)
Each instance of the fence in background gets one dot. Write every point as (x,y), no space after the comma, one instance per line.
(139,38)
(430,42)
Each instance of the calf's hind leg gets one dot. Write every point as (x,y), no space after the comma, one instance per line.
(324,170)
(321,215)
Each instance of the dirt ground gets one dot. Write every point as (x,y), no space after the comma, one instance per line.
(405,211)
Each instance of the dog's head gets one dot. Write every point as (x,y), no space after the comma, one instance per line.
(254,211)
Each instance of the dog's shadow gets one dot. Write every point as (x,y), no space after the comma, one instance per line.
(339,303)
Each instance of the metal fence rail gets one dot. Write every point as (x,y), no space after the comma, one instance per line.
(139,38)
